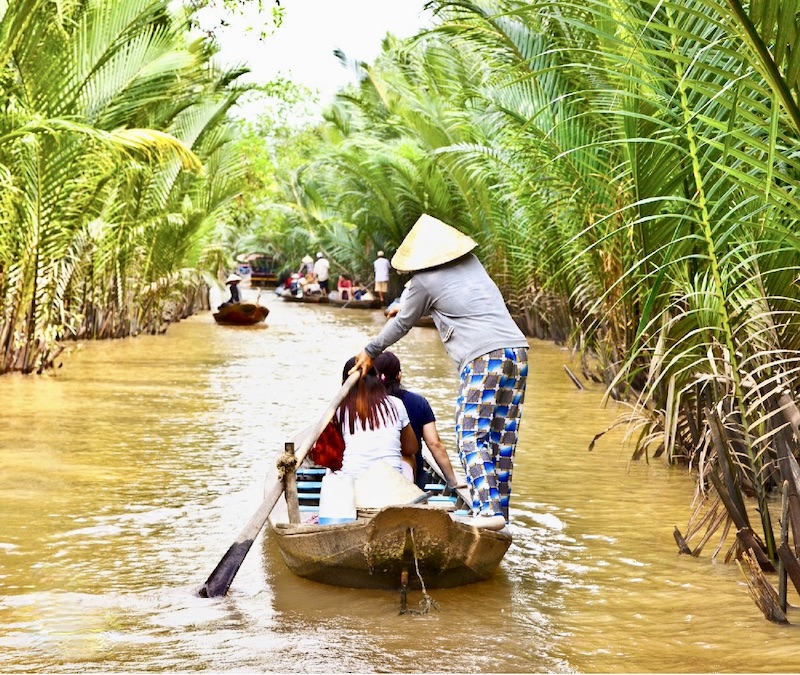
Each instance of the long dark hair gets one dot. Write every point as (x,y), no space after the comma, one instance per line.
(368,402)
(387,368)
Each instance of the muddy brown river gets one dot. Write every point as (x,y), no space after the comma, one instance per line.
(126,473)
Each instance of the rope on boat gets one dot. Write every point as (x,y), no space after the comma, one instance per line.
(287,462)
(427,601)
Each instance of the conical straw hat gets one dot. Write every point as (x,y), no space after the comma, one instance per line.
(233,279)
(430,243)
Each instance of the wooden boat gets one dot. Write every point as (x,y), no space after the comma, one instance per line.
(264,269)
(373,303)
(241,314)
(264,279)
(287,295)
(405,545)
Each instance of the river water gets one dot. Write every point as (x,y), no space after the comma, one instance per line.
(126,474)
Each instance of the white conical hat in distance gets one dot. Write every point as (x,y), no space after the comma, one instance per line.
(430,243)
(233,279)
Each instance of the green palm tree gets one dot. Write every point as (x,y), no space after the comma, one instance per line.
(112,116)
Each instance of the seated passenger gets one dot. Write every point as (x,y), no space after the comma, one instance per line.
(308,283)
(360,292)
(375,427)
(421,417)
(344,286)
(293,284)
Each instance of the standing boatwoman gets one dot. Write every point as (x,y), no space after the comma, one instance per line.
(480,335)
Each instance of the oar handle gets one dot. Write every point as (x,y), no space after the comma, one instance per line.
(220,579)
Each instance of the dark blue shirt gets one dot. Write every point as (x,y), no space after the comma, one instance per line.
(420,413)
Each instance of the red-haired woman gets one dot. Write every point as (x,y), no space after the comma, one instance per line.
(375,427)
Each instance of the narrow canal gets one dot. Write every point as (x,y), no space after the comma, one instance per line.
(127,473)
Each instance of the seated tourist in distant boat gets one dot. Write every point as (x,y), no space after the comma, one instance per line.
(421,417)
(293,284)
(375,427)
(309,285)
(233,285)
(344,286)
(360,292)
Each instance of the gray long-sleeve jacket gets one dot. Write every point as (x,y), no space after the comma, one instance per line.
(466,307)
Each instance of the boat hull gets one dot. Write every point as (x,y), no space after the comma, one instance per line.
(377,549)
(313,298)
(357,304)
(241,314)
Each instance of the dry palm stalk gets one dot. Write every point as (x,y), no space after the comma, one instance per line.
(761,590)
(719,519)
(790,472)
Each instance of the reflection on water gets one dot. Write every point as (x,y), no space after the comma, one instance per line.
(126,474)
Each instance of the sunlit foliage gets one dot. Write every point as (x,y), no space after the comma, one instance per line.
(115,160)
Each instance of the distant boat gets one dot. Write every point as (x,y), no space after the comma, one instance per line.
(263,269)
(287,295)
(370,303)
(241,314)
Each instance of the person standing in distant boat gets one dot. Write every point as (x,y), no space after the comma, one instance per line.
(232,282)
(381,267)
(480,335)
(306,267)
(322,272)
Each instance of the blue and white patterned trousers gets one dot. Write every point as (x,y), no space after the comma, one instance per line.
(488,410)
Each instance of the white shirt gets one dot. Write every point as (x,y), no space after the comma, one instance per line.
(367,446)
(382,268)
(321,268)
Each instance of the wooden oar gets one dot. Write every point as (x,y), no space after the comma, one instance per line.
(220,579)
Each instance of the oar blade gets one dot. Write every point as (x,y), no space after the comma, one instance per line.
(219,581)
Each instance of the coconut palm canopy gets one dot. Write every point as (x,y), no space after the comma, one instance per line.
(115,157)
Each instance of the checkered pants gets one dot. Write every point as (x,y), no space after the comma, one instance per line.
(488,410)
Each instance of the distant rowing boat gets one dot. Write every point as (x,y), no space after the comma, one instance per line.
(241,314)
(332,299)
(287,295)
(372,303)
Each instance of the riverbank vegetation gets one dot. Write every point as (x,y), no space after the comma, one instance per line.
(629,170)
(116,160)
